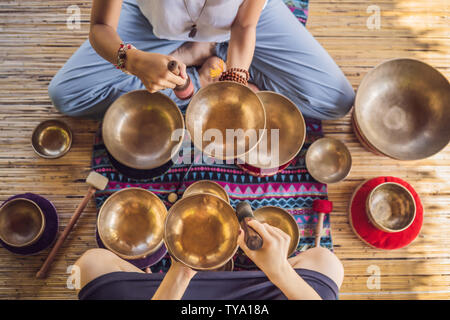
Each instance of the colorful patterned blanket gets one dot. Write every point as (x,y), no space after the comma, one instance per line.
(293,189)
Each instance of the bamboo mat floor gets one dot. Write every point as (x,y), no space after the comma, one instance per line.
(36,42)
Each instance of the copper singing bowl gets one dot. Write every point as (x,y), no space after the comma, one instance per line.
(51,139)
(131,223)
(282,220)
(223,108)
(328,160)
(401,108)
(207,186)
(278,147)
(201,231)
(137,129)
(391,207)
(22,222)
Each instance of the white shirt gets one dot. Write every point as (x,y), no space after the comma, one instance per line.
(171,20)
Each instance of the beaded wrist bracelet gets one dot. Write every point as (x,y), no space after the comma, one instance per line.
(122,56)
(233,75)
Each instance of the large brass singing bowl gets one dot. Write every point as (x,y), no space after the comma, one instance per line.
(284,116)
(137,129)
(402,109)
(223,108)
(201,231)
(131,223)
(391,207)
(282,220)
(22,222)
(328,160)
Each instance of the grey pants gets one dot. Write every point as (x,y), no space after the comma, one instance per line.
(287,60)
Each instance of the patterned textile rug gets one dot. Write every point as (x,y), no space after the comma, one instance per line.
(293,189)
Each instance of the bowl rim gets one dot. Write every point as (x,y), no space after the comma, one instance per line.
(169,249)
(174,150)
(298,112)
(64,126)
(41,229)
(192,186)
(378,225)
(308,160)
(188,127)
(291,220)
(357,113)
(101,213)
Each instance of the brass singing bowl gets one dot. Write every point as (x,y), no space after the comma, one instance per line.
(225,106)
(22,222)
(51,139)
(138,127)
(401,108)
(130,223)
(207,186)
(391,207)
(328,160)
(201,231)
(282,220)
(282,115)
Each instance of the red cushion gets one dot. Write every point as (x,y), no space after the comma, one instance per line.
(373,236)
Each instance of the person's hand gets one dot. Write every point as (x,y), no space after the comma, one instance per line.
(272,257)
(182,270)
(152,69)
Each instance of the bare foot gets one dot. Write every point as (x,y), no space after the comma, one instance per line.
(194,53)
(211,70)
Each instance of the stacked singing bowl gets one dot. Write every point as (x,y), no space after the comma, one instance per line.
(138,131)
(283,139)
(401,110)
(130,223)
(223,109)
(201,232)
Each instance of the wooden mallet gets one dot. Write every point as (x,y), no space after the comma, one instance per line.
(323,207)
(96,182)
(244,214)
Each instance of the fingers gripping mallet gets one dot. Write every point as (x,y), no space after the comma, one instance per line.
(244,214)
(323,207)
(96,182)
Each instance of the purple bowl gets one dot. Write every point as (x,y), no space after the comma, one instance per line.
(140,263)
(50,230)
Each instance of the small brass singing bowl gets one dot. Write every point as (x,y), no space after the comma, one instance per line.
(51,139)
(328,160)
(22,222)
(391,207)
(207,186)
(401,109)
(143,130)
(201,231)
(225,109)
(282,220)
(280,147)
(131,223)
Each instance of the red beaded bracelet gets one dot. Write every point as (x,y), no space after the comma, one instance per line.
(122,56)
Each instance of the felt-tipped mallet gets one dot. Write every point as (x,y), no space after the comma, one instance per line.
(96,182)
(322,207)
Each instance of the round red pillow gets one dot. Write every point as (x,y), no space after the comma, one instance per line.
(374,237)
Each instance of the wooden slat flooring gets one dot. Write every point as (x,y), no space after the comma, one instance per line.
(36,44)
